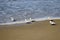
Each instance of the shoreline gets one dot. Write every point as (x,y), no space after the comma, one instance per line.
(24,22)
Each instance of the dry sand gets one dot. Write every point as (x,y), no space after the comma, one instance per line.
(34,31)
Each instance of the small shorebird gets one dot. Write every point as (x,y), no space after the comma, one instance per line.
(32,20)
(12,19)
(51,21)
(29,21)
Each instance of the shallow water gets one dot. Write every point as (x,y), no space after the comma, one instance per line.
(24,9)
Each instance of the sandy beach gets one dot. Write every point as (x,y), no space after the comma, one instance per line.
(41,30)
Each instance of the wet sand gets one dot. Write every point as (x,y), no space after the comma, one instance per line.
(35,31)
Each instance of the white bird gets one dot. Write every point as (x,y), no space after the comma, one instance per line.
(26,20)
(12,19)
(51,21)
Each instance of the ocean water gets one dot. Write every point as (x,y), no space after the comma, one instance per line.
(25,9)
